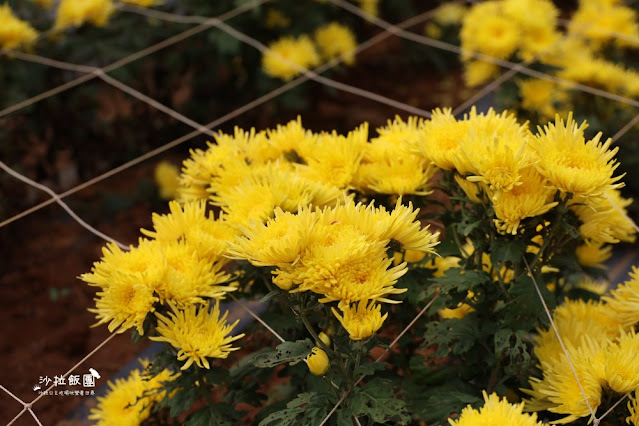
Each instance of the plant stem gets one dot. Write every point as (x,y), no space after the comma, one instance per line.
(205,391)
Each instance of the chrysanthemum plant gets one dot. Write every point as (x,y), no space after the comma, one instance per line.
(331,238)
(595,47)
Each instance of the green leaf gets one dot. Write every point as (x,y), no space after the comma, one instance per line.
(525,310)
(437,403)
(505,251)
(377,400)
(369,368)
(308,408)
(284,353)
(344,416)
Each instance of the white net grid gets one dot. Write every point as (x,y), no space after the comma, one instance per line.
(206,23)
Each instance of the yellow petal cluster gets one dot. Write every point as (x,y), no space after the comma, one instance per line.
(572,164)
(338,252)
(198,332)
(502,28)
(495,411)
(289,56)
(166,177)
(181,265)
(14,32)
(389,165)
(601,345)
(74,13)
(362,321)
(623,301)
(335,40)
(129,401)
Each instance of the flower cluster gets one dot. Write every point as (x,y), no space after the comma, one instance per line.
(130,401)
(503,28)
(499,160)
(14,32)
(17,33)
(179,268)
(339,253)
(289,56)
(495,412)
(602,346)
(529,29)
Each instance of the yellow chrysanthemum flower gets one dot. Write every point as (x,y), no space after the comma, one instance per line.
(604,220)
(198,332)
(361,322)
(333,159)
(485,29)
(128,281)
(541,96)
(318,362)
(335,40)
(530,197)
(450,13)
(389,166)
(74,13)
(441,138)
(595,287)
(207,236)
(477,72)
(624,300)
(124,304)
(537,20)
(288,56)
(559,391)
(495,412)
(496,150)
(173,226)
(370,6)
(276,19)
(621,371)
(14,32)
(573,165)
(125,404)
(277,242)
(257,196)
(166,177)
(291,140)
(593,255)
(402,226)
(575,319)
(342,265)
(602,22)
(633,409)
(399,175)
(188,276)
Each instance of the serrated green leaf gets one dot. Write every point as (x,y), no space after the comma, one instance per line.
(308,408)
(377,400)
(436,403)
(369,368)
(284,353)
(506,251)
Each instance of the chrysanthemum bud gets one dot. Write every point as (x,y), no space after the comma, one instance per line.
(318,362)
(325,338)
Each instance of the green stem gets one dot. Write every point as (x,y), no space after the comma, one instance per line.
(205,391)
